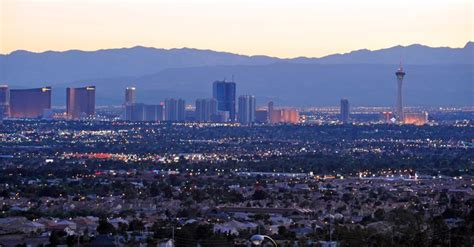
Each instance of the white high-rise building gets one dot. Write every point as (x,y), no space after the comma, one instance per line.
(247,108)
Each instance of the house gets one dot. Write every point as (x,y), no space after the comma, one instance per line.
(31,227)
(103,241)
(19,224)
(88,224)
(165,243)
(117,221)
(62,225)
(233,227)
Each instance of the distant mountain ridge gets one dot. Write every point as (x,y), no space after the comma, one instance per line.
(412,54)
(446,78)
(23,67)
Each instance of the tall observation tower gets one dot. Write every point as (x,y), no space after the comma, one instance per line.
(400,74)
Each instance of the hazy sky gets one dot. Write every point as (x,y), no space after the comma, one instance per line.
(284,28)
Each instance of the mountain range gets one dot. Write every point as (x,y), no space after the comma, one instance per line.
(435,76)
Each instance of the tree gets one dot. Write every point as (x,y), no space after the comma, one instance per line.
(204,231)
(379,214)
(347,197)
(136,225)
(105,227)
(122,228)
(259,195)
(55,237)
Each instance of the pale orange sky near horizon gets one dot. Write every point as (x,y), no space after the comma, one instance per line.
(283,28)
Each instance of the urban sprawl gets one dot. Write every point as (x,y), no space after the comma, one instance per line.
(225,172)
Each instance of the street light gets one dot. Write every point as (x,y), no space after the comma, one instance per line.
(258,240)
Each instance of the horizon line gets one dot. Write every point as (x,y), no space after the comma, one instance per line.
(235,53)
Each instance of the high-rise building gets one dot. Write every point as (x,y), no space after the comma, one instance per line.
(400,75)
(29,103)
(181,110)
(153,113)
(4,101)
(150,113)
(135,112)
(175,110)
(345,110)
(285,115)
(130,97)
(289,115)
(276,116)
(80,102)
(225,94)
(247,108)
(205,109)
(220,117)
(127,112)
(143,112)
(171,110)
(270,111)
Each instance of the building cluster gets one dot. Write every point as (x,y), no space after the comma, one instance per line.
(416,118)
(66,182)
(401,117)
(36,102)
(284,115)
(223,106)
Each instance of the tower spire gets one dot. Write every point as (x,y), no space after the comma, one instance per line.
(400,74)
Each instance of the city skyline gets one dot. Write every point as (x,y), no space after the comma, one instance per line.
(222,108)
(345,123)
(298,82)
(224,95)
(240,20)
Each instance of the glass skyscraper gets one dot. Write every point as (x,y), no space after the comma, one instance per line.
(29,103)
(80,102)
(4,101)
(345,110)
(225,94)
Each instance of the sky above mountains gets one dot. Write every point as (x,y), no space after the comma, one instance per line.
(281,28)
